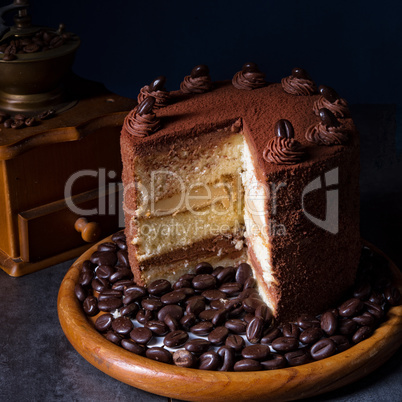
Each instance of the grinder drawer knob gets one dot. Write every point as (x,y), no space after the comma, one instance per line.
(90,231)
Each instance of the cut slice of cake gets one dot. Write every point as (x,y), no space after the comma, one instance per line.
(229,175)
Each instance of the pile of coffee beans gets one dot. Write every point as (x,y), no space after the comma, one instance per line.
(215,319)
(20,120)
(42,40)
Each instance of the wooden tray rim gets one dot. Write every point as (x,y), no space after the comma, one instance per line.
(198,385)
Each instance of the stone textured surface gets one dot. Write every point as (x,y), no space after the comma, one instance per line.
(37,363)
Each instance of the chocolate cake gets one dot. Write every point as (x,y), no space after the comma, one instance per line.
(245,170)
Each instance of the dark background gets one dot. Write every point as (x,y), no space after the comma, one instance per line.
(353,46)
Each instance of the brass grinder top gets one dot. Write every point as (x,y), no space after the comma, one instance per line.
(35,64)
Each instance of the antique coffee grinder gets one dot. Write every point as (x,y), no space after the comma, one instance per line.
(60,160)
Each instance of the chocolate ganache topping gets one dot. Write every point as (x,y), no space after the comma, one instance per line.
(283,149)
(198,81)
(330,100)
(250,77)
(329,131)
(142,121)
(299,83)
(157,90)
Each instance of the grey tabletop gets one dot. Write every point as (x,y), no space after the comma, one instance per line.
(37,363)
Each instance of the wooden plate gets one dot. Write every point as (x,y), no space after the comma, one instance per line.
(198,385)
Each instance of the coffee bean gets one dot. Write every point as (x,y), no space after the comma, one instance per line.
(182,283)
(247,365)
(284,344)
(104,258)
(250,66)
(392,295)
(141,335)
(347,326)
(176,312)
(157,84)
(99,284)
(144,316)
(213,294)
(197,346)
(227,274)
(159,328)
(130,310)
(159,287)
(133,347)
(375,309)
(231,288)
(109,293)
(131,296)
(217,271)
(256,352)
(219,304)
(90,306)
(159,354)
(236,325)
(80,292)
(122,325)
(227,355)
(151,304)
(329,323)
(291,331)
(235,342)
(113,337)
(366,319)
(218,335)
(146,106)
(204,268)
(171,322)
(7,123)
(328,93)
(104,322)
(202,328)
(297,357)
(311,335)
(342,342)
(110,304)
(104,271)
(204,282)
(284,129)
(300,73)
(121,273)
(361,334)
(264,312)
(107,246)
(85,278)
(199,71)
(351,307)
(123,285)
(174,297)
(255,329)
(188,321)
(249,293)
(276,362)
(219,317)
(30,121)
(328,119)
(250,283)
(270,336)
(243,273)
(209,361)
(251,304)
(122,257)
(362,291)
(322,349)
(131,287)
(175,339)
(195,306)
(235,308)
(376,298)
(184,358)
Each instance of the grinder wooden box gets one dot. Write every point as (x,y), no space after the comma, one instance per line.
(38,227)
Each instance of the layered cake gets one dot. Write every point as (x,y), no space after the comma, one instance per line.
(245,171)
